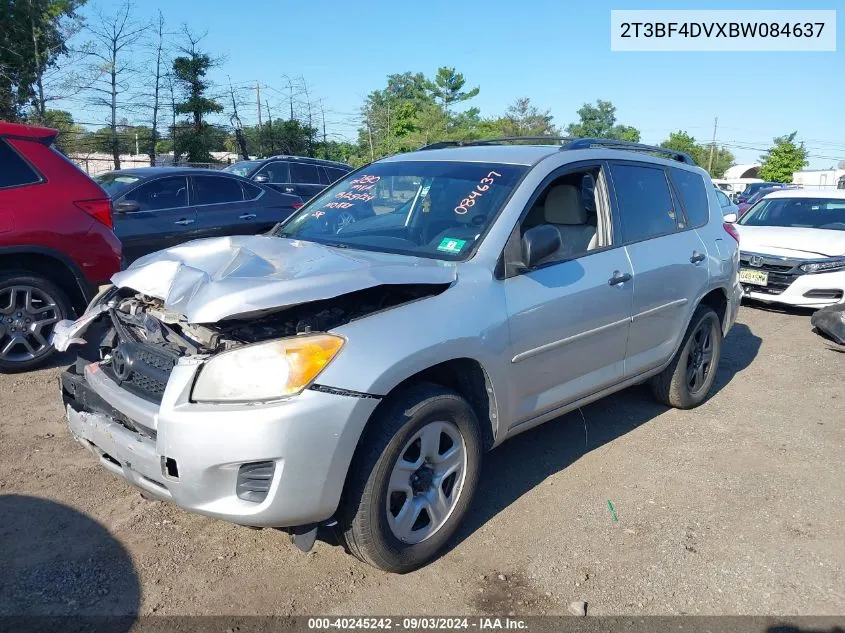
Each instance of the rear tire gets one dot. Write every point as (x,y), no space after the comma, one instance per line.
(412,478)
(687,381)
(30,306)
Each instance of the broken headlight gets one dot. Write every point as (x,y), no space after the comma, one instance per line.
(265,371)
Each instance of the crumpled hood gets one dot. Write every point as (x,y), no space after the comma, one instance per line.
(786,241)
(212,279)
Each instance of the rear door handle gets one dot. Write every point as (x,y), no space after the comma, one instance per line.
(184,221)
(247,216)
(697,257)
(619,278)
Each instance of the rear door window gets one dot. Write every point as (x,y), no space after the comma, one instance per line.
(217,190)
(693,194)
(644,199)
(164,193)
(14,170)
(304,173)
(251,192)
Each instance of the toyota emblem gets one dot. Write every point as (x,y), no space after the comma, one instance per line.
(120,364)
(756,261)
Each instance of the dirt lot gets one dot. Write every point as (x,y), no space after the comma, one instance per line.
(734,508)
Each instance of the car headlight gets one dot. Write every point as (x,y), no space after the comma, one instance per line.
(824,266)
(265,371)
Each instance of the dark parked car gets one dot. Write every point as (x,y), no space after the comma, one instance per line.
(56,243)
(754,187)
(158,207)
(300,175)
(752,200)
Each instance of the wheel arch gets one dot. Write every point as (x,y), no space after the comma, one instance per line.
(52,265)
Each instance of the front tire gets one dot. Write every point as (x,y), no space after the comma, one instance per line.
(30,306)
(412,478)
(687,381)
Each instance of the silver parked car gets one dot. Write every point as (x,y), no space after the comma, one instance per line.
(356,372)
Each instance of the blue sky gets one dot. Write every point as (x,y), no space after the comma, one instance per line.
(557,52)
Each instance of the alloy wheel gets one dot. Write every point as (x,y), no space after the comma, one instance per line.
(700,358)
(426,481)
(27,315)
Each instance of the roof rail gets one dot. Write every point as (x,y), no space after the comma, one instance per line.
(493,141)
(628,146)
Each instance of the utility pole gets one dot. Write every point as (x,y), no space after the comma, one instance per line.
(323,115)
(712,144)
(270,122)
(258,101)
(136,144)
(290,91)
(236,123)
(370,131)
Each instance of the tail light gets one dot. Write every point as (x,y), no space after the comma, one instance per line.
(730,229)
(297,205)
(99,209)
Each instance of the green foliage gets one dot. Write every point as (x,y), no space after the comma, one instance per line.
(32,41)
(783,158)
(71,136)
(680,141)
(448,85)
(523,119)
(189,71)
(599,121)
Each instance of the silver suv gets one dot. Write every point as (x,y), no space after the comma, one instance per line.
(355,373)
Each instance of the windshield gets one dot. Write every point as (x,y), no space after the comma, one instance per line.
(429,209)
(243,168)
(115,183)
(812,213)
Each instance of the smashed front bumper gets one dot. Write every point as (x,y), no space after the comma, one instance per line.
(276,464)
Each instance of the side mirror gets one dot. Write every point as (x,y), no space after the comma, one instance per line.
(730,217)
(261,178)
(538,243)
(126,206)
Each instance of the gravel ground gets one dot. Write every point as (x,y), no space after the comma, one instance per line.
(733,508)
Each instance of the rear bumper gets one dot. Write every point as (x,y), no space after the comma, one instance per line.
(193,454)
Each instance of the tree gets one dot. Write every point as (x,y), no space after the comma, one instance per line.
(680,141)
(151,97)
(522,118)
(599,121)
(71,136)
(35,33)
(783,158)
(189,71)
(115,36)
(447,87)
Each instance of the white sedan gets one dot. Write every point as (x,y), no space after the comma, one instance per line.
(792,248)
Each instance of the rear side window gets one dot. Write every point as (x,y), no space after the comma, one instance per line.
(335,174)
(217,190)
(724,201)
(251,192)
(15,171)
(693,194)
(164,193)
(645,203)
(300,172)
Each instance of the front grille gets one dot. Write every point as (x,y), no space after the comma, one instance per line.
(139,367)
(782,272)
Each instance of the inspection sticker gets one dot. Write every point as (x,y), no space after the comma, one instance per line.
(451,245)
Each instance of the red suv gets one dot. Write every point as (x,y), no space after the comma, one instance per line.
(56,243)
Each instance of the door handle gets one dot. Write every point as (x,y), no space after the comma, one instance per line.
(184,221)
(247,216)
(619,278)
(697,257)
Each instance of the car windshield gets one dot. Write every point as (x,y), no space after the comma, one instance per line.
(115,183)
(432,209)
(242,168)
(813,213)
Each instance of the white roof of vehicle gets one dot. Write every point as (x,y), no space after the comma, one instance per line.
(832,194)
